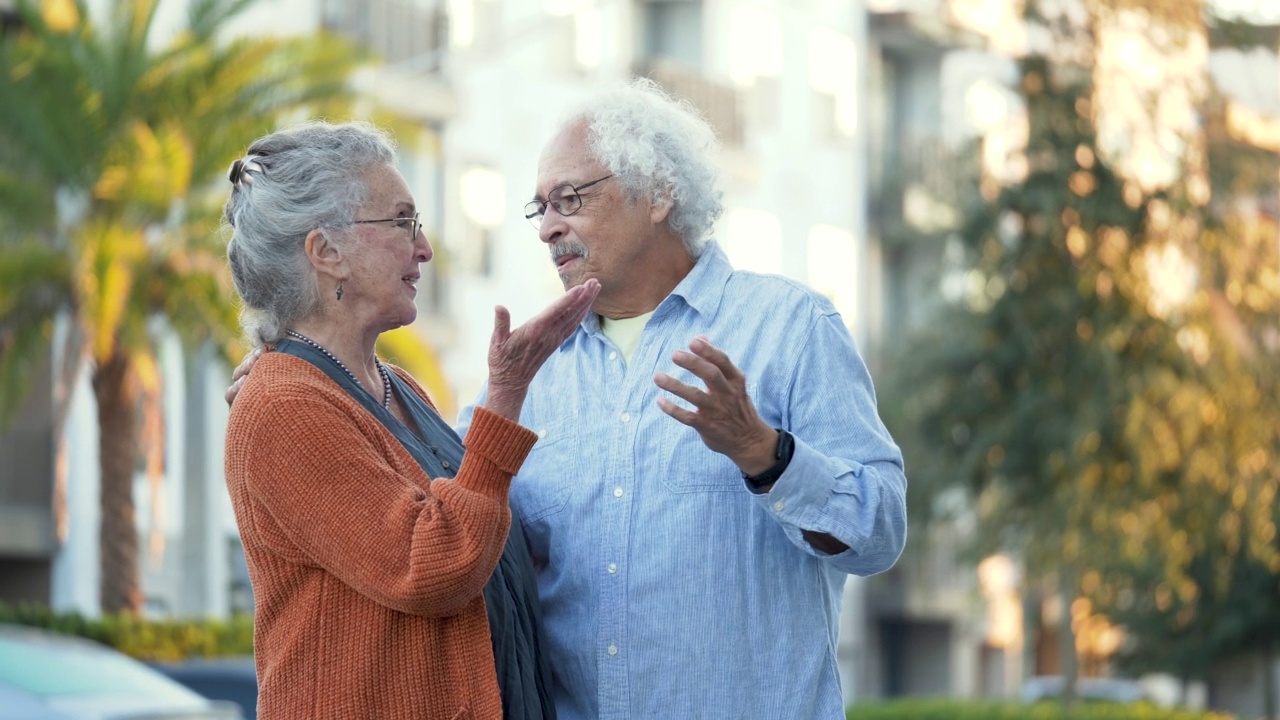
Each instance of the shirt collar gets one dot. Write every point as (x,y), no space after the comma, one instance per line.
(703,288)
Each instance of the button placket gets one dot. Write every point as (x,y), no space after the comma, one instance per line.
(616,515)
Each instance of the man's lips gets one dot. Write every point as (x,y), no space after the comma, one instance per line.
(565,259)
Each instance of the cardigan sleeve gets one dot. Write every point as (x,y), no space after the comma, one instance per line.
(319,473)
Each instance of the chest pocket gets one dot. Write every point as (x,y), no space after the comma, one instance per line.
(692,466)
(541,488)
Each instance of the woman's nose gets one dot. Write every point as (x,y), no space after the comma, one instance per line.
(422,247)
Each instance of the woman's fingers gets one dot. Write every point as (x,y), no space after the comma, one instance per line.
(516,355)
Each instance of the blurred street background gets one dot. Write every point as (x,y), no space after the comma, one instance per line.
(1052,226)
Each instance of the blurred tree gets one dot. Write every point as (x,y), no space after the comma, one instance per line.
(109,142)
(1105,391)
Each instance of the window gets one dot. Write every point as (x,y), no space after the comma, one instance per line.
(673,30)
(833,75)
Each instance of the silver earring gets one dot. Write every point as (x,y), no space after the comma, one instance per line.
(339,291)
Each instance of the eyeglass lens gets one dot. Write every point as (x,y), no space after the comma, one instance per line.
(564,199)
(411,224)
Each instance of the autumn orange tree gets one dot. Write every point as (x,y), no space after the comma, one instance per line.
(1105,393)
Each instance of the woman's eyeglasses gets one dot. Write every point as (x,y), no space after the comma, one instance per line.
(413,224)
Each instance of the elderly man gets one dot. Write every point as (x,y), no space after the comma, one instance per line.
(710,463)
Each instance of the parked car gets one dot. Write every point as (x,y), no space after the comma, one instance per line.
(47,676)
(231,679)
(1115,690)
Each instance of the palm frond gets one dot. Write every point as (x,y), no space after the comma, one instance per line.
(35,282)
(22,349)
(206,17)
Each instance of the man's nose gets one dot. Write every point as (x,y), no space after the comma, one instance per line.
(552,227)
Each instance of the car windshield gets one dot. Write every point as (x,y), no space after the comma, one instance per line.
(58,667)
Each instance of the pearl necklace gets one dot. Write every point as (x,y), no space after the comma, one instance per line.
(382,369)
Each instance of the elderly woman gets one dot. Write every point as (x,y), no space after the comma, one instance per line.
(386,582)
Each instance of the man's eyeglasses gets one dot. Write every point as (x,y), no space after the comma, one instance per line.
(566,199)
(413,224)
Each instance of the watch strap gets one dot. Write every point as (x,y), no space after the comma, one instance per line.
(782,455)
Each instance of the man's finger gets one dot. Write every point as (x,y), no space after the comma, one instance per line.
(688,393)
(680,414)
(704,369)
(714,355)
(232,391)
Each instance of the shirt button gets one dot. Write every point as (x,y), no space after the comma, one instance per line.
(613,649)
(626,417)
(613,356)
(613,568)
(446,465)
(779,505)
(617,492)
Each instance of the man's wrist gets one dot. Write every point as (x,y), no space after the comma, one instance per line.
(760,455)
(784,448)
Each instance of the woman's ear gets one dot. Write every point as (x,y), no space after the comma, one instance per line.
(324,256)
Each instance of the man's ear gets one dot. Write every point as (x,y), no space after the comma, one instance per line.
(660,208)
(324,256)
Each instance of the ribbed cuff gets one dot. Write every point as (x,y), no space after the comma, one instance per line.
(502,442)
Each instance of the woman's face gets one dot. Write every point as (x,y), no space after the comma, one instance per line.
(384,258)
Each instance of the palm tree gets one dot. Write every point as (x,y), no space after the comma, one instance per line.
(110,149)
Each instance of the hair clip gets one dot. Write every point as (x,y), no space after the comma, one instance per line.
(241,170)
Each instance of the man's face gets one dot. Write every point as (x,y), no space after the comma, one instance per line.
(607,238)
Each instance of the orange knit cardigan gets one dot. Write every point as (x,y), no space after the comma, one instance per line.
(367,574)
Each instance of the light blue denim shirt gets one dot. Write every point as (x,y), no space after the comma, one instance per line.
(669,589)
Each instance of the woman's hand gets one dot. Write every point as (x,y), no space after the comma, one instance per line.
(516,355)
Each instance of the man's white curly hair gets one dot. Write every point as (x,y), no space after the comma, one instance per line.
(659,149)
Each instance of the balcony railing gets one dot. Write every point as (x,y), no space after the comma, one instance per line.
(394,30)
(925,178)
(719,103)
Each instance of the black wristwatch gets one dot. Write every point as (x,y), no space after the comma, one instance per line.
(786,448)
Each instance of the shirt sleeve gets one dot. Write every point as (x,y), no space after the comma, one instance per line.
(322,480)
(846,477)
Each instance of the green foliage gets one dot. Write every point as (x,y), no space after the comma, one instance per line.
(1097,427)
(149,640)
(112,153)
(964,710)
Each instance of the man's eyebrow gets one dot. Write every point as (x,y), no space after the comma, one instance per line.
(537,197)
(557,186)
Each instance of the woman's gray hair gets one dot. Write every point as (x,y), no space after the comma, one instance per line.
(291,182)
(659,149)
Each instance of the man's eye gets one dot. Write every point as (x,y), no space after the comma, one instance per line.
(403,222)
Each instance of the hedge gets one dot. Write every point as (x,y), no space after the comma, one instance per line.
(148,640)
(979,710)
